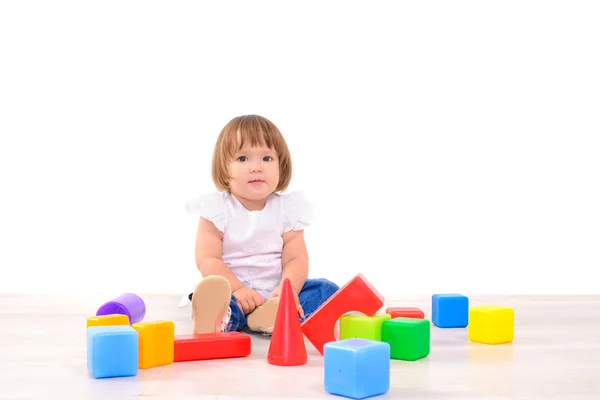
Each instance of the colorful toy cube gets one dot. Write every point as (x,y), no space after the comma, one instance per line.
(112,351)
(363,327)
(156,343)
(108,320)
(357,368)
(406,312)
(409,338)
(491,324)
(450,310)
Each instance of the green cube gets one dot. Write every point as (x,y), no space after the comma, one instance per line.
(409,338)
(361,326)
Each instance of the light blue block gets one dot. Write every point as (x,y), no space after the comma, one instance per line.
(112,351)
(357,368)
(450,310)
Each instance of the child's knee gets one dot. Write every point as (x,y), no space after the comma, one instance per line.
(329,288)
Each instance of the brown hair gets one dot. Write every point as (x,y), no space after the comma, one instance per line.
(257,130)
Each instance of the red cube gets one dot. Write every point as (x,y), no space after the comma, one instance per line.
(406,312)
(208,346)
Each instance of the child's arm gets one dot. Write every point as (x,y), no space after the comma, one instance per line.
(209,253)
(294,259)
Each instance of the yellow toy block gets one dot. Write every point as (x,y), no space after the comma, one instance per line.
(156,343)
(363,327)
(491,324)
(108,320)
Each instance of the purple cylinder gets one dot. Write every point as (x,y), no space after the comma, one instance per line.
(128,304)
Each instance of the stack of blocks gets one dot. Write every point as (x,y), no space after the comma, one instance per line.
(117,349)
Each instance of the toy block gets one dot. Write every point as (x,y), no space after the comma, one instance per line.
(405,312)
(357,368)
(357,295)
(108,320)
(112,351)
(491,324)
(363,327)
(156,343)
(286,347)
(129,304)
(210,346)
(450,310)
(409,338)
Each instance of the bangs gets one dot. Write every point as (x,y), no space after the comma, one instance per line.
(253,132)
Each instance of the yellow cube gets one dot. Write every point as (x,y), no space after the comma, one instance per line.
(156,343)
(108,320)
(491,324)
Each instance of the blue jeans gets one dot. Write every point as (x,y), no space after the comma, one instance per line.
(314,293)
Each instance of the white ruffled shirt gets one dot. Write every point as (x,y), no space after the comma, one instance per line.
(252,240)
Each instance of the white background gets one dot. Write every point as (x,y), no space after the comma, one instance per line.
(449,146)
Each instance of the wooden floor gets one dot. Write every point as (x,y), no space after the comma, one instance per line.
(555,355)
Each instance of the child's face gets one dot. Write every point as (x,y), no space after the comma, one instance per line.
(254,172)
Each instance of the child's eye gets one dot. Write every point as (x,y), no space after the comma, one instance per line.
(268,158)
(242,158)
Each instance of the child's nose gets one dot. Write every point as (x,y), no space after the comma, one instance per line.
(256,167)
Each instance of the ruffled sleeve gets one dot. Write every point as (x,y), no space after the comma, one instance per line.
(298,212)
(210,206)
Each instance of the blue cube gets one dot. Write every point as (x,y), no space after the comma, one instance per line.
(112,351)
(357,368)
(450,310)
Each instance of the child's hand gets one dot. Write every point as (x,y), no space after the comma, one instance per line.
(248,299)
(277,293)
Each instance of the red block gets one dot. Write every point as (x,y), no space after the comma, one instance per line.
(208,346)
(406,312)
(357,295)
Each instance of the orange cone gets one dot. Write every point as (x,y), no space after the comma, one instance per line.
(287,341)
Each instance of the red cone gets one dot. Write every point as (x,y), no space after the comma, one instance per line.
(287,340)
